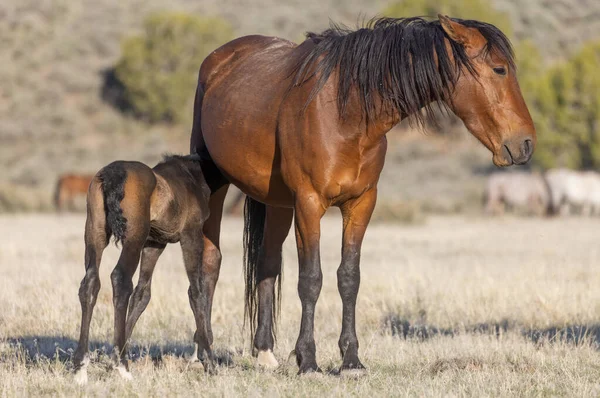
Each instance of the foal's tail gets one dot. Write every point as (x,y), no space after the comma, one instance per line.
(113,178)
(254,228)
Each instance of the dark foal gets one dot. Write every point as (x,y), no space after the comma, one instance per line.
(144,209)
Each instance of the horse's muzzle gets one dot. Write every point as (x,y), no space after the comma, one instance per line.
(517,151)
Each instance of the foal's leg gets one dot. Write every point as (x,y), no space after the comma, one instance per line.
(308,212)
(95,243)
(356,214)
(141,295)
(122,284)
(192,247)
(211,259)
(277,227)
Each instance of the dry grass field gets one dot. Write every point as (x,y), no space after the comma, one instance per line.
(452,307)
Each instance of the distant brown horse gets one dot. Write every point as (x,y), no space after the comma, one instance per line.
(300,128)
(144,209)
(68,188)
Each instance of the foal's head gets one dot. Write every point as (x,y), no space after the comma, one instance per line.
(488,98)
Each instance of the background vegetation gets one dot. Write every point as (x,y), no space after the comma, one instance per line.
(159,68)
(67,64)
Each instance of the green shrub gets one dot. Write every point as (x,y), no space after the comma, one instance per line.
(159,68)
(566,111)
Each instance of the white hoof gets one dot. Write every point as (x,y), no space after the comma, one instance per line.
(194,361)
(81,377)
(266,359)
(194,357)
(124,373)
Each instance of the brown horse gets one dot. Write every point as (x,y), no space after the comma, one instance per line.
(144,209)
(68,188)
(300,128)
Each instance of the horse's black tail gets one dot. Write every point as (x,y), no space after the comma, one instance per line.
(254,228)
(113,178)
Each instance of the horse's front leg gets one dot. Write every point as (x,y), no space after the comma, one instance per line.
(356,214)
(308,212)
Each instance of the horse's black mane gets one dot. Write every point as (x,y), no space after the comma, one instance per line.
(393,58)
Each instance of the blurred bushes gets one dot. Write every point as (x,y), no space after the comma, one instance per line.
(398,212)
(159,69)
(566,108)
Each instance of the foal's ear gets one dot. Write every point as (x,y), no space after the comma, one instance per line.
(456,31)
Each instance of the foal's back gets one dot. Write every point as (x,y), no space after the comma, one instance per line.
(180,200)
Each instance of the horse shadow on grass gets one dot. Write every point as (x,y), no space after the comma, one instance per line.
(35,349)
(571,334)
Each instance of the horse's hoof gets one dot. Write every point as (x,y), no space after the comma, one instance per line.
(312,372)
(211,369)
(266,359)
(355,373)
(195,364)
(81,377)
(292,360)
(124,373)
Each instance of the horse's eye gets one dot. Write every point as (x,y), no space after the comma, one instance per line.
(500,70)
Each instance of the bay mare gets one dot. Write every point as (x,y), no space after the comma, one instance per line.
(300,128)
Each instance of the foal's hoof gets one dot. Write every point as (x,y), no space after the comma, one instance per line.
(292,358)
(124,373)
(266,359)
(81,377)
(195,364)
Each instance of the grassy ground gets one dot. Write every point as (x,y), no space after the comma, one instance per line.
(454,306)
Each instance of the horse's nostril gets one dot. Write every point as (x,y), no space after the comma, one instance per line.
(527,147)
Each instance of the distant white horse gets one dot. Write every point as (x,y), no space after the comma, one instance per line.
(519,191)
(574,191)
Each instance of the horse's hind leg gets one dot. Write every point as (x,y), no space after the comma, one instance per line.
(211,260)
(141,295)
(122,284)
(192,246)
(277,226)
(95,242)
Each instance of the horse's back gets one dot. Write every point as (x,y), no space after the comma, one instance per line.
(235,54)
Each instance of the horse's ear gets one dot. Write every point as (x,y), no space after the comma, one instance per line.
(455,31)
